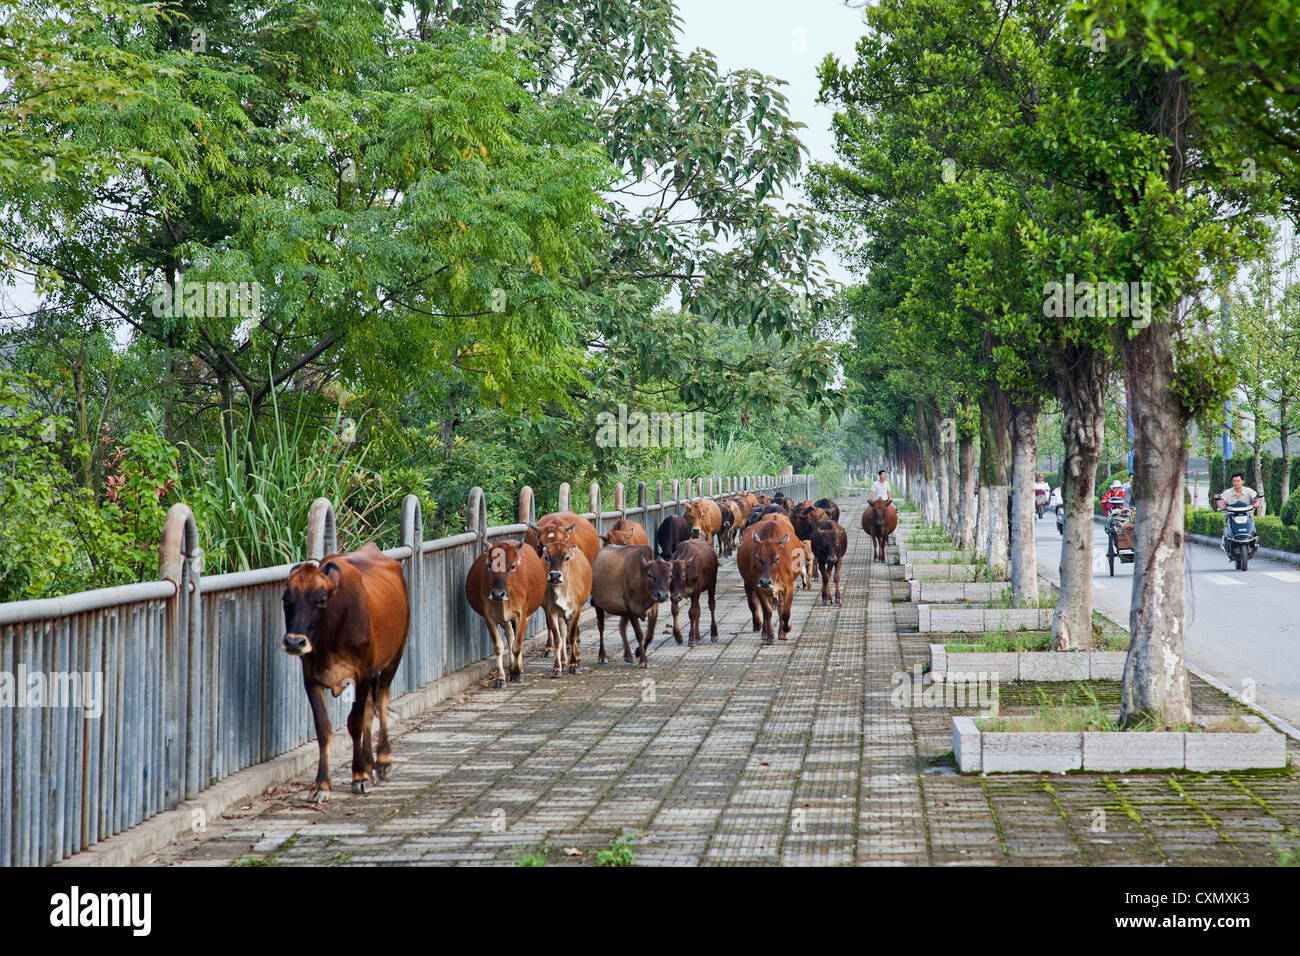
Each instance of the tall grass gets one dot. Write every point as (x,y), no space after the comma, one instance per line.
(252,497)
(735,456)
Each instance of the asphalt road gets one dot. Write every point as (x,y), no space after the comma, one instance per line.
(1241,627)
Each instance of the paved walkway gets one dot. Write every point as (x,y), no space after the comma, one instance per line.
(736,753)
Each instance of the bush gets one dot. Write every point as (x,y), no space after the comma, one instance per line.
(1290,513)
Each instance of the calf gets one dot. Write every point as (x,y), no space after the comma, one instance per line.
(568,586)
(829,544)
(705,518)
(626,532)
(695,570)
(347,617)
(630,582)
(505,585)
(672,531)
(879,520)
(803,563)
(727,530)
(766,563)
(805,518)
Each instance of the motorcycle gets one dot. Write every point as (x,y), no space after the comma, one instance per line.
(1239,542)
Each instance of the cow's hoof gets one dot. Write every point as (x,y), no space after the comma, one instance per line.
(629,659)
(498,683)
(555,671)
(516,677)
(319,794)
(574,669)
(362,786)
(713,639)
(383,771)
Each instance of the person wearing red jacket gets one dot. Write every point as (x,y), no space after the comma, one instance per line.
(1112,499)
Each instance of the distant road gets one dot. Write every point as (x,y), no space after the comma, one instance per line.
(1241,626)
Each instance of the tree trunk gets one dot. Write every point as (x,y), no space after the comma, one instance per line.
(995,414)
(1081,387)
(964,536)
(954,474)
(1155,678)
(1285,461)
(943,478)
(1024,553)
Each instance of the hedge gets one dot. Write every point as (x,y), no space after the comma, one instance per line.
(1269,464)
(1272,532)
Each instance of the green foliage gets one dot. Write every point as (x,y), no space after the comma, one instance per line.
(251,498)
(619,853)
(1290,513)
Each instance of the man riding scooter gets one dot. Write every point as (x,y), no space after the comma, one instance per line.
(1240,504)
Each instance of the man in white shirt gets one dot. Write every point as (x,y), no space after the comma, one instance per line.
(1239,493)
(881,487)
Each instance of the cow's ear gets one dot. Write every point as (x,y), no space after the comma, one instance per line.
(645,562)
(691,561)
(333,575)
(756,537)
(785,539)
(569,528)
(534,528)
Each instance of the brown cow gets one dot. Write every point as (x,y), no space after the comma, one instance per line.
(705,519)
(747,501)
(347,617)
(505,585)
(781,521)
(629,582)
(879,520)
(829,544)
(568,586)
(732,520)
(695,570)
(805,518)
(626,533)
(766,562)
(561,526)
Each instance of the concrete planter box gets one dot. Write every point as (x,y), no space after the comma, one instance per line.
(1030,665)
(939,572)
(944,618)
(931,592)
(1115,751)
(908,556)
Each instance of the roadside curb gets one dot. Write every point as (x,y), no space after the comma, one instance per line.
(243,786)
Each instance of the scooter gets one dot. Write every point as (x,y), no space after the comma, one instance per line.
(1060,520)
(1239,542)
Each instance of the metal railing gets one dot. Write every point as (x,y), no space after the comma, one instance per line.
(192,683)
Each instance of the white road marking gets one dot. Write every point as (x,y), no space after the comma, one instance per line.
(1218,579)
(1289,576)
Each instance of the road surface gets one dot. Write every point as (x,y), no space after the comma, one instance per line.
(1241,627)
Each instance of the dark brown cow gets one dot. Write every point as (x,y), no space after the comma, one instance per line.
(829,506)
(829,543)
(673,530)
(561,526)
(505,585)
(695,570)
(879,520)
(629,582)
(626,533)
(805,518)
(568,586)
(347,617)
(766,561)
(705,518)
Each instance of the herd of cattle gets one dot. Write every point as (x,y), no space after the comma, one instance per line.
(347,615)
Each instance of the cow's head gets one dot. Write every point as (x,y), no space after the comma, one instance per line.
(622,533)
(685,575)
(728,516)
(555,558)
(695,513)
(502,561)
(551,533)
(766,557)
(658,576)
(826,546)
(306,601)
(880,508)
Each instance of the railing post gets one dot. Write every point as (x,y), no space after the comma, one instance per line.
(593,502)
(476,517)
(677,496)
(180,560)
(322,531)
(640,494)
(659,500)
(563,504)
(620,501)
(527,506)
(413,538)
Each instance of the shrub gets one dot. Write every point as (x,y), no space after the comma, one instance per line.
(1290,513)
(1272,532)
